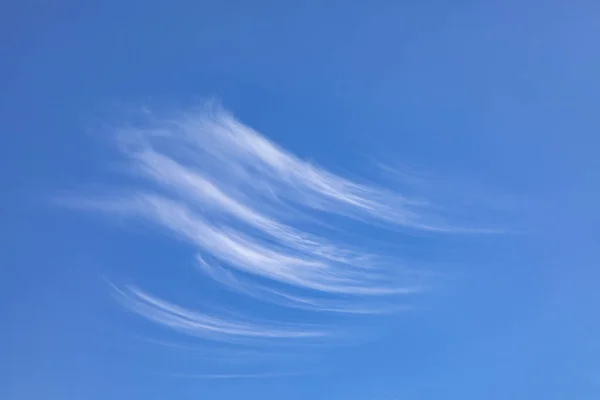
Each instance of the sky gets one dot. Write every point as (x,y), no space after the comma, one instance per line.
(301,200)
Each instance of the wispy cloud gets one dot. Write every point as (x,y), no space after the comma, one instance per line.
(264,223)
(204,325)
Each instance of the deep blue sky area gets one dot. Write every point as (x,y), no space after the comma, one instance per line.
(492,104)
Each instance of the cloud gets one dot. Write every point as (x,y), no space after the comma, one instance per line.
(263,223)
(204,325)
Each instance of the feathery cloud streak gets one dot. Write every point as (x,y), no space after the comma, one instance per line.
(260,220)
(206,326)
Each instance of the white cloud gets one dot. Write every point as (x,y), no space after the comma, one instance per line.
(204,325)
(263,223)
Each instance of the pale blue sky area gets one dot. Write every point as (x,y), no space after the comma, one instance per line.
(394,200)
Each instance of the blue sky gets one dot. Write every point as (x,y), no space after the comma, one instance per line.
(309,200)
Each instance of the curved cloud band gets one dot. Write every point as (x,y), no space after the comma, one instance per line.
(264,223)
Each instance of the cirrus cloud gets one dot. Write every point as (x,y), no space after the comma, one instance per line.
(263,223)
